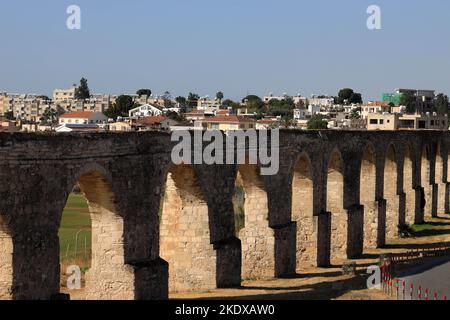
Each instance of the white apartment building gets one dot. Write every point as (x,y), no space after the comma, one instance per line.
(96,103)
(25,107)
(64,95)
(395,121)
(206,103)
(303,114)
(322,102)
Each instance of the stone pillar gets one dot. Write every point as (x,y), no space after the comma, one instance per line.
(381,230)
(447,193)
(151,279)
(420,215)
(442,198)
(285,248)
(410,206)
(258,250)
(434,197)
(339,234)
(393,206)
(371,224)
(257,237)
(402,209)
(35,263)
(6,261)
(322,228)
(428,191)
(228,265)
(109,277)
(306,239)
(355,232)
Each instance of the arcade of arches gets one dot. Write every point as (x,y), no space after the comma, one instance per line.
(159,227)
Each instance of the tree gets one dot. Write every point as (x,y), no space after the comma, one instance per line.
(167,97)
(9,115)
(284,108)
(287,123)
(254,103)
(49,116)
(408,100)
(193,99)
(348,96)
(175,116)
(121,108)
(442,104)
(355,98)
(345,95)
(251,97)
(219,96)
(228,103)
(82,91)
(317,122)
(181,100)
(144,92)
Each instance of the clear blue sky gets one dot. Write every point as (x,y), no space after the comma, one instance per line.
(236,46)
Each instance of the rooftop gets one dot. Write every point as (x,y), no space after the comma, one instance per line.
(78,114)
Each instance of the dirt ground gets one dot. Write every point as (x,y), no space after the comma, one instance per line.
(324,283)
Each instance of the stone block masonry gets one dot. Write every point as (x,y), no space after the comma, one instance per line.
(336,194)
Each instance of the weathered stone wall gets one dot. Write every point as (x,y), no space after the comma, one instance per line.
(257,238)
(6,257)
(303,214)
(368,195)
(185,236)
(409,187)
(335,205)
(109,277)
(296,218)
(391,194)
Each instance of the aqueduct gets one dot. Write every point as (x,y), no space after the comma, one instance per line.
(158,227)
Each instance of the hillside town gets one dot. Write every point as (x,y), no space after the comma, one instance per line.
(77,109)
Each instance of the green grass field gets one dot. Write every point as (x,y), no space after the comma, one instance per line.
(75,219)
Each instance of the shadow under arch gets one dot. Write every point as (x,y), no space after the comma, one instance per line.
(390,192)
(6,261)
(109,277)
(368,196)
(335,205)
(303,214)
(185,236)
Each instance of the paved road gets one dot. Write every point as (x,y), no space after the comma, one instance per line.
(434,276)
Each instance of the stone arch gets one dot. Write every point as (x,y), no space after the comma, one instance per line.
(335,205)
(408,186)
(109,277)
(257,238)
(441,182)
(302,213)
(6,260)
(185,236)
(368,196)
(391,193)
(425,180)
